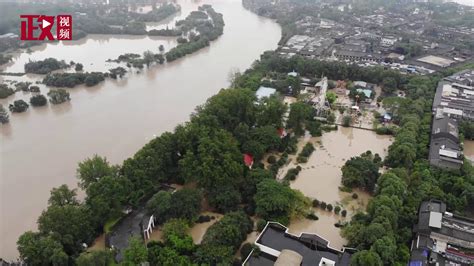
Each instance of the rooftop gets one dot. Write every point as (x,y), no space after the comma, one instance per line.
(275,241)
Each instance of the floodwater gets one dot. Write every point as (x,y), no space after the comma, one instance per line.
(40,148)
(199,229)
(321,176)
(469,150)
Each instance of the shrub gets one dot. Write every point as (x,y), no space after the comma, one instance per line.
(203,219)
(316,203)
(271,159)
(34,88)
(312,216)
(79,67)
(346,121)
(329,207)
(58,96)
(18,106)
(355,196)
(344,213)
(323,205)
(337,209)
(38,100)
(5,91)
(245,250)
(261,225)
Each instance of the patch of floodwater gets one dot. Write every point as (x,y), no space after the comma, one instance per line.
(92,51)
(199,229)
(469,150)
(320,177)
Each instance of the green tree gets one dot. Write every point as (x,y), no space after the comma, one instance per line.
(38,100)
(38,249)
(299,114)
(230,231)
(4,117)
(18,106)
(70,224)
(270,112)
(386,248)
(209,254)
(389,85)
(186,204)
(63,196)
(79,67)
(58,96)
(331,97)
(95,258)
(107,197)
(175,227)
(92,169)
(135,253)
(275,201)
(217,166)
(148,57)
(366,258)
(160,206)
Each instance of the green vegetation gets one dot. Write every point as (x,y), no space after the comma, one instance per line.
(277,202)
(158,14)
(305,153)
(5,59)
(45,66)
(79,67)
(361,171)
(467,129)
(23,86)
(95,258)
(5,91)
(38,100)
(208,31)
(58,96)
(4,117)
(70,80)
(18,106)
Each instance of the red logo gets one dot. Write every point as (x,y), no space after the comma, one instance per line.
(30,24)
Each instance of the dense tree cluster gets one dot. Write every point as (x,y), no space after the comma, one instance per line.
(5,91)
(5,58)
(58,96)
(158,14)
(18,106)
(38,100)
(4,116)
(44,66)
(208,152)
(70,80)
(361,171)
(208,30)
(383,234)
(183,204)
(467,129)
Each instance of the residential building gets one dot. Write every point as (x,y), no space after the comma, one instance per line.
(445,149)
(441,238)
(453,101)
(279,247)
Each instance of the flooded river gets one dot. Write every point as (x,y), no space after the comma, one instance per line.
(321,178)
(40,148)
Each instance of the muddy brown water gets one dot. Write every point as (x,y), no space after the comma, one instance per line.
(40,148)
(321,178)
(469,149)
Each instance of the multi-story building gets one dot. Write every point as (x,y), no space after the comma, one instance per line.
(441,238)
(453,102)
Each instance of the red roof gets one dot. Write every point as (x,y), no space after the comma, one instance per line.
(281,132)
(248,159)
